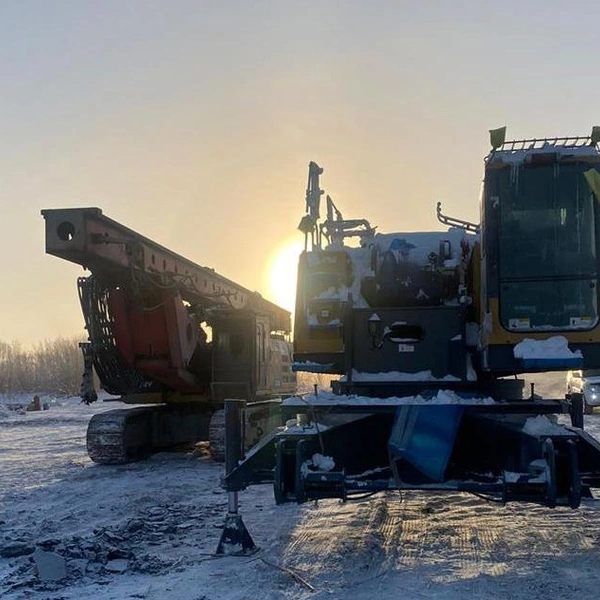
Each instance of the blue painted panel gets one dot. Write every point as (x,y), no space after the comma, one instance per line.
(424,436)
(553,363)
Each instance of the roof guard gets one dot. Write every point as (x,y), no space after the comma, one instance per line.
(543,143)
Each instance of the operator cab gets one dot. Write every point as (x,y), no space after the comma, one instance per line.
(546,236)
(540,224)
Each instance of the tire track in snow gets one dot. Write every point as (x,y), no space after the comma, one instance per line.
(331,535)
(447,538)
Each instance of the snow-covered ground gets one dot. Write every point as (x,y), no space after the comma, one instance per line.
(149,530)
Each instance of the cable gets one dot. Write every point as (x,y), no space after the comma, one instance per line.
(488,498)
(356,497)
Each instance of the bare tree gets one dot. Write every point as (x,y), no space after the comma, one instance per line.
(51,366)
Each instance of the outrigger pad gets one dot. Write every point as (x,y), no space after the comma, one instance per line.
(235,539)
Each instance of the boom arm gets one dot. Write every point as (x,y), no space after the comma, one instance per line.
(87,237)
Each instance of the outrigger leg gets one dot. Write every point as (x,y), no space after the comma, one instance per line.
(235,539)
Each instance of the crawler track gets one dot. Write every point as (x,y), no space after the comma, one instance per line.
(119,436)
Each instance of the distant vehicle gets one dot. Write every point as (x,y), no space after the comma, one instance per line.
(586,382)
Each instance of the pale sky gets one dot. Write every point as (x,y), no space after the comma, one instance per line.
(193,122)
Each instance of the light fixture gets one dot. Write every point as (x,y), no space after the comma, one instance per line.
(497,137)
(307,224)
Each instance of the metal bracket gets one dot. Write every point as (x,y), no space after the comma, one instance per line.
(454,222)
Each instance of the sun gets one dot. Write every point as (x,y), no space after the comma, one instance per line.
(281,273)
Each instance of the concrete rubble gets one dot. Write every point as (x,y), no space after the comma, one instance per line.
(50,563)
(14,549)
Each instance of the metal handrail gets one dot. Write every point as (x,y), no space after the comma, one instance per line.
(538,143)
(454,222)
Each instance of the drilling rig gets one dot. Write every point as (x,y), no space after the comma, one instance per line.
(431,333)
(169,334)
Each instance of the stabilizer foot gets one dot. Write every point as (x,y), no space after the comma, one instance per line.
(235,539)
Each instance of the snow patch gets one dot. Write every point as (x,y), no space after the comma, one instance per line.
(554,347)
(542,425)
(330,399)
(310,428)
(426,242)
(521,155)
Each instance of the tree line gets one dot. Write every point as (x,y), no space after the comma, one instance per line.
(55,367)
(49,367)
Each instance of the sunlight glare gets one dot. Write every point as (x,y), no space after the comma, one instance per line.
(282,270)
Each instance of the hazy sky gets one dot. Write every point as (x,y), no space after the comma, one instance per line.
(193,122)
